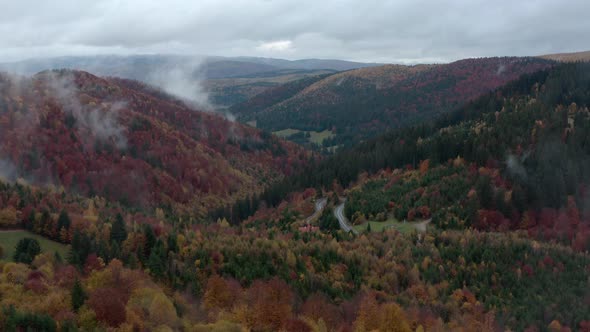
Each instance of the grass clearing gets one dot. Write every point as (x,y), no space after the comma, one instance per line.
(316,137)
(378,226)
(286,132)
(9,239)
(319,137)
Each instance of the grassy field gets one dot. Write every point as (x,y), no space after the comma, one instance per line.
(378,226)
(319,137)
(9,239)
(316,137)
(286,132)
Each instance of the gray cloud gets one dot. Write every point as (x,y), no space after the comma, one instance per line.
(367,30)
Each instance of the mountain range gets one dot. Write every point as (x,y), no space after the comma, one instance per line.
(223,81)
(358,104)
(139,66)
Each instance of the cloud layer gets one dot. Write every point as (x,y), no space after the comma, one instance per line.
(367,30)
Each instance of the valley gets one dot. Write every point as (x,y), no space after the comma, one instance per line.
(294,166)
(359,104)
(461,201)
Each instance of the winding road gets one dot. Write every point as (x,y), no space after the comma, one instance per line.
(320,204)
(339,214)
(343,221)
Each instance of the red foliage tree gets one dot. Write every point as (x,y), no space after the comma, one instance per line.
(93,263)
(297,325)
(317,306)
(109,306)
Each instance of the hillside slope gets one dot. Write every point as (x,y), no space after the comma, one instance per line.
(226,92)
(568,57)
(263,100)
(226,80)
(524,148)
(510,166)
(362,103)
(131,143)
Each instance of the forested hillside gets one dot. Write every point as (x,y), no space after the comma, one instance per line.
(294,166)
(226,92)
(511,162)
(125,271)
(363,103)
(132,144)
(263,100)
(522,150)
(500,182)
(225,80)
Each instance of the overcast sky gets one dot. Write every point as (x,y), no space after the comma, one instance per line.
(362,30)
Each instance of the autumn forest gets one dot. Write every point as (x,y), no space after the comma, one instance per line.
(446,197)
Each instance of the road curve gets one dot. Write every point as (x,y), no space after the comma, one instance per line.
(339,214)
(320,204)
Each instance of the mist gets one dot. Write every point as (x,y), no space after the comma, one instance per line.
(101,120)
(183,80)
(515,166)
(8,172)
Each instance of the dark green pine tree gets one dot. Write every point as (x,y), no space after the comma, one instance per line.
(74,253)
(157,260)
(26,250)
(79,249)
(485,192)
(118,231)
(78,295)
(150,241)
(63,221)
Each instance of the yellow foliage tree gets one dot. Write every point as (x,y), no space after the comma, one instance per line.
(15,273)
(392,319)
(424,166)
(387,317)
(218,295)
(162,311)
(219,326)
(8,216)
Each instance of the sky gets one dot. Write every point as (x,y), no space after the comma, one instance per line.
(387,31)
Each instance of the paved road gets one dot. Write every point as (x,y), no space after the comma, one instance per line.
(320,204)
(339,214)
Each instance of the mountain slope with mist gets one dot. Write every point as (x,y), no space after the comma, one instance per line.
(221,81)
(362,103)
(132,143)
(137,66)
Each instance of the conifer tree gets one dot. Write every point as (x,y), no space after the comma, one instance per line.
(118,231)
(78,295)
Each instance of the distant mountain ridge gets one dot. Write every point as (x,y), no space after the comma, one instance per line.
(310,64)
(226,80)
(361,103)
(568,57)
(136,66)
